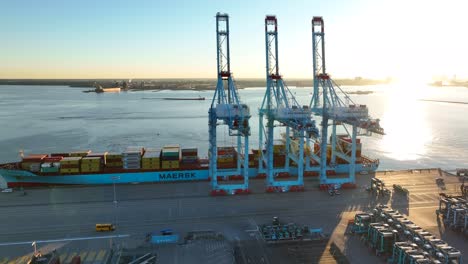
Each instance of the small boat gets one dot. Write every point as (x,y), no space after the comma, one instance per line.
(99,89)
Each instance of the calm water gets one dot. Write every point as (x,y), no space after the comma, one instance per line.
(44,119)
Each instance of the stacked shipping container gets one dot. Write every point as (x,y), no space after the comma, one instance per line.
(90,164)
(253,158)
(170,156)
(131,158)
(150,160)
(227,157)
(114,160)
(189,158)
(102,156)
(279,154)
(70,165)
(33,162)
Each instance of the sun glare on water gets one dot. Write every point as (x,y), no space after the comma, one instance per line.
(406,126)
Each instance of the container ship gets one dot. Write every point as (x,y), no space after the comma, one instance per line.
(151,165)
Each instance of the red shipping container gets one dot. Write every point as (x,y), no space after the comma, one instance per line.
(34,157)
(53,159)
(60,155)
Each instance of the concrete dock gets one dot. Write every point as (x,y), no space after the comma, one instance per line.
(68,216)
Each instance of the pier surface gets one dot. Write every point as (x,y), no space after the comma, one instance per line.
(68,215)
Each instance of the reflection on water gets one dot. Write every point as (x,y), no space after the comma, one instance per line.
(406,124)
(44,119)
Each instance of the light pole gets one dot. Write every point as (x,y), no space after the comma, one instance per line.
(115,178)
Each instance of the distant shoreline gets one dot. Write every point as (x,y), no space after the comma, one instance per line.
(442,101)
(176,84)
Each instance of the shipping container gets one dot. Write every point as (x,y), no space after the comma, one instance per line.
(131,159)
(50,164)
(189,152)
(139,149)
(27,165)
(189,161)
(151,160)
(152,154)
(91,160)
(102,156)
(60,155)
(69,166)
(170,150)
(154,166)
(170,164)
(189,157)
(70,160)
(90,166)
(152,149)
(170,154)
(83,153)
(69,170)
(172,146)
(50,169)
(34,158)
(226,151)
(53,159)
(118,164)
(113,155)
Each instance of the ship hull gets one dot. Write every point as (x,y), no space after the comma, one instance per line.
(22,178)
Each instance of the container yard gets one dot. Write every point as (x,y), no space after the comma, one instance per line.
(185,207)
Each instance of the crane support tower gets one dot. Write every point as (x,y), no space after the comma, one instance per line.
(227,108)
(281,109)
(342,111)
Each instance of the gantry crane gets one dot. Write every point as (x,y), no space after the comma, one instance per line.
(280,108)
(226,107)
(329,105)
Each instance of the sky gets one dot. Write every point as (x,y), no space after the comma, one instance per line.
(414,39)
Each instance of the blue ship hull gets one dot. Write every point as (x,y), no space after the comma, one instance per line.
(17,178)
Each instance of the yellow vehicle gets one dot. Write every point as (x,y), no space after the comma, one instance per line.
(105,227)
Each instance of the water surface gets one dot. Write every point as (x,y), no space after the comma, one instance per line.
(44,119)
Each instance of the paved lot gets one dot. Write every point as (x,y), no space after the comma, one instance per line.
(72,212)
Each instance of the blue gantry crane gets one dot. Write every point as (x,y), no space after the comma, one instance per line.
(281,109)
(340,110)
(227,108)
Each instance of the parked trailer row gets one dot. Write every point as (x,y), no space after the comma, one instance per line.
(394,236)
(454,212)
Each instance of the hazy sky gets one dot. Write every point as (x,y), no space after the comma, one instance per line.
(165,39)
